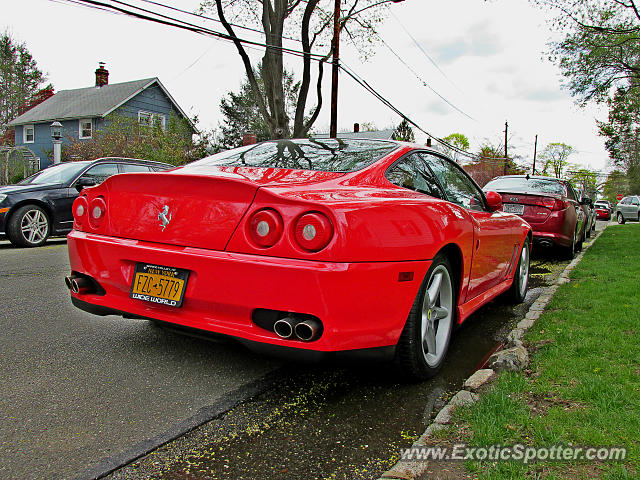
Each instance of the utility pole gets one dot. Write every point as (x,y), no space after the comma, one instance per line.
(333,130)
(506,130)
(535,152)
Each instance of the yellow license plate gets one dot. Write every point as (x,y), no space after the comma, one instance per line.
(159,284)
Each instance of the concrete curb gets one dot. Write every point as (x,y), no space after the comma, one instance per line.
(410,470)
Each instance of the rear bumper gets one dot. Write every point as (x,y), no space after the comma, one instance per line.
(361,305)
(554,229)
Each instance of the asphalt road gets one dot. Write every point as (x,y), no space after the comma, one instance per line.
(76,389)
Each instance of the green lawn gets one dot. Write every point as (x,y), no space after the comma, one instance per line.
(583,386)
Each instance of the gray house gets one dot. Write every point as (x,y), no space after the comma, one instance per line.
(82,111)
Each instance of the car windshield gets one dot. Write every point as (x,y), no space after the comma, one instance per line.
(62,173)
(328,155)
(524,184)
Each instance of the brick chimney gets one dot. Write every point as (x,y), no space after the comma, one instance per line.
(102,75)
(249,139)
(356,127)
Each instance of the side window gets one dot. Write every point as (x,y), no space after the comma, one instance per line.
(624,201)
(100,173)
(634,201)
(457,186)
(412,173)
(571,193)
(131,168)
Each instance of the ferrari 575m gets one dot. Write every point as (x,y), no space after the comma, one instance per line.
(302,246)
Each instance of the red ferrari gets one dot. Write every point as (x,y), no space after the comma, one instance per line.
(307,246)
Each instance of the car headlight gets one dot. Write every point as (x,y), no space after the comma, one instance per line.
(2,197)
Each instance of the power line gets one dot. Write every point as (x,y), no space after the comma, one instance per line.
(174,22)
(421,80)
(363,83)
(424,52)
(213,19)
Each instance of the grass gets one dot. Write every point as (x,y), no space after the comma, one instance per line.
(583,386)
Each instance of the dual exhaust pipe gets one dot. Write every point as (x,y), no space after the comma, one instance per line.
(290,327)
(79,285)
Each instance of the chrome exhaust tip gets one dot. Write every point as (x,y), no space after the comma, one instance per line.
(81,285)
(284,327)
(307,330)
(67,281)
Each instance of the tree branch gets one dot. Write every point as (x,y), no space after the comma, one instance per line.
(247,66)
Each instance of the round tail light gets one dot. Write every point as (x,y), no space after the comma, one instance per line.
(80,209)
(265,227)
(97,212)
(313,231)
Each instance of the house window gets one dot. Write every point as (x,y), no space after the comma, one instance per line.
(28,133)
(85,128)
(149,119)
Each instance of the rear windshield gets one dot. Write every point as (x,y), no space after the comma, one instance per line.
(524,185)
(327,155)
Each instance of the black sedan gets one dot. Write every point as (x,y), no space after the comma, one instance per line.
(40,206)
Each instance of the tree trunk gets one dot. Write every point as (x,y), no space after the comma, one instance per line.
(273,17)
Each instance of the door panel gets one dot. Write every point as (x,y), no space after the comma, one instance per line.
(494,247)
(494,232)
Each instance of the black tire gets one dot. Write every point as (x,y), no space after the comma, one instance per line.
(518,291)
(570,252)
(620,218)
(580,242)
(18,229)
(411,359)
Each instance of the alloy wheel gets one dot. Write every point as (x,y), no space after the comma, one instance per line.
(34,226)
(437,314)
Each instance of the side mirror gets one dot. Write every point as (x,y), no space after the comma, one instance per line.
(586,201)
(494,200)
(83,182)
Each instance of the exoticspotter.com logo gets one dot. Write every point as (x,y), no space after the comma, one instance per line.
(515,453)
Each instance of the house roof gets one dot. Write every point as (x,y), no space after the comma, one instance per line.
(376,134)
(88,102)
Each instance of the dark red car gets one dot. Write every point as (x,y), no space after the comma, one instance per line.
(549,205)
(309,246)
(603,210)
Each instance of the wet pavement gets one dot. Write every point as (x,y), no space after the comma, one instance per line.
(333,421)
(76,389)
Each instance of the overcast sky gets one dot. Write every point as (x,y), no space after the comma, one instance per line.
(490,58)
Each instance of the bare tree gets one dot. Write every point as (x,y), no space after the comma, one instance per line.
(309,22)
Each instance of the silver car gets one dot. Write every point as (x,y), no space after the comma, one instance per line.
(628,209)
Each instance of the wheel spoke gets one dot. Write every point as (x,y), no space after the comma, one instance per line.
(429,338)
(434,289)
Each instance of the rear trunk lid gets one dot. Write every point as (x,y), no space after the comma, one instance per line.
(180,208)
(534,207)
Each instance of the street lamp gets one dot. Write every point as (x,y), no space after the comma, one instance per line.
(333,128)
(56,136)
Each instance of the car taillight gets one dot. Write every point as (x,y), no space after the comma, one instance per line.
(265,227)
(559,205)
(97,212)
(550,203)
(313,231)
(79,209)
